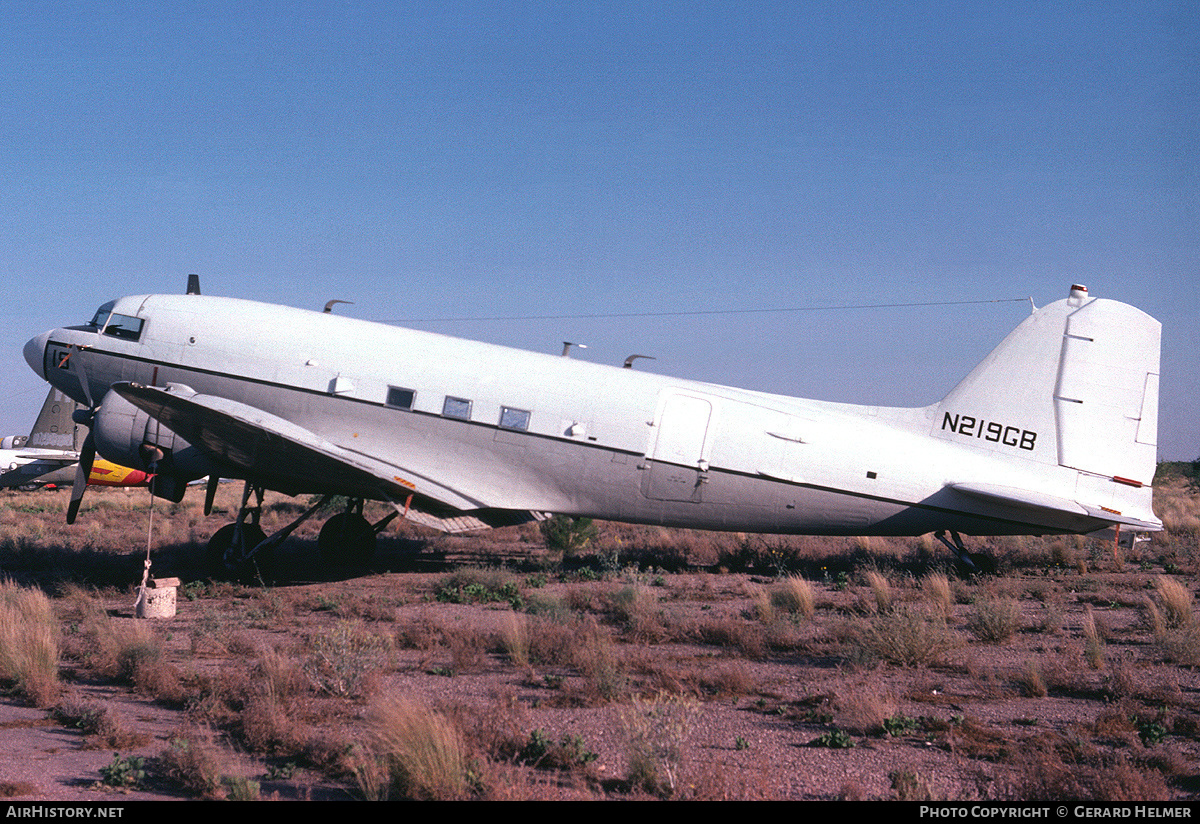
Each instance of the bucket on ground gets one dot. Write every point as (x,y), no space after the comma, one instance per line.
(157,598)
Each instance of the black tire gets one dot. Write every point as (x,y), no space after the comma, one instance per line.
(235,567)
(347,538)
(984,562)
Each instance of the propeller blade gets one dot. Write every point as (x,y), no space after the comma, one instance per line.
(210,493)
(76,366)
(87,456)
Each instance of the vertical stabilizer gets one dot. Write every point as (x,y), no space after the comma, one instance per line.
(1076,385)
(54,427)
(1006,404)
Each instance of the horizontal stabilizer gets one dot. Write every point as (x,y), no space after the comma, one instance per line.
(1031,499)
(472,521)
(1104,514)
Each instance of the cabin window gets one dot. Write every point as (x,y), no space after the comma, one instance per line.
(517,419)
(400,398)
(457,408)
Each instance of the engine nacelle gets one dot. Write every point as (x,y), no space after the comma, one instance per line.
(128,436)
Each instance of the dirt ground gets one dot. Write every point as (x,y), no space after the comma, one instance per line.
(756,705)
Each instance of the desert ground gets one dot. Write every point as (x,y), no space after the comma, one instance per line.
(592,661)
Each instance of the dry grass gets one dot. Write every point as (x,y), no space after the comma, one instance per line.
(195,761)
(1175,504)
(636,609)
(936,587)
(120,649)
(1176,602)
(881,588)
(101,726)
(656,732)
(794,595)
(515,637)
(1032,681)
(601,665)
(995,620)
(413,752)
(865,707)
(342,660)
(29,644)
(1093,639)
(909,636)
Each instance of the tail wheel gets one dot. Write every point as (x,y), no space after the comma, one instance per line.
(347,538)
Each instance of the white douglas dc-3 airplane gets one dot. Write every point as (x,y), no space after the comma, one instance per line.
(1054,432)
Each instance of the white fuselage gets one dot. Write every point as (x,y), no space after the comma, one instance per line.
(511,429)
(37,467)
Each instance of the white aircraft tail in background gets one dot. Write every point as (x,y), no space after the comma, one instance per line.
(48,454)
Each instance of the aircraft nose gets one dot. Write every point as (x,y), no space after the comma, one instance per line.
(35,351)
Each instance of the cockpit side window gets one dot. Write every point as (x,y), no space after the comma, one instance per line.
(115,325)
(124,327)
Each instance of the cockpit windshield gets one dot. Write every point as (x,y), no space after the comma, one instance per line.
(101,317)
(116,325)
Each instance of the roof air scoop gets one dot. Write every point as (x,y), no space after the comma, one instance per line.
(193,287)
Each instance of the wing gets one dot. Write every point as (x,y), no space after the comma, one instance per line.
(64,459)
(39,469)
(278,454)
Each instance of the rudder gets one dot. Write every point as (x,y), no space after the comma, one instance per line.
(1106,398)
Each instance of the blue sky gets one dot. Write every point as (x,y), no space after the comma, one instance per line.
(500,160)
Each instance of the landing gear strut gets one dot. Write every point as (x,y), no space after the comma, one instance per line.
(241,549)
(970,563)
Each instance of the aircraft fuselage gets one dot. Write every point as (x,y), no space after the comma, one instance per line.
(495,427)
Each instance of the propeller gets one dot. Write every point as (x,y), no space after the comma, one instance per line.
(87,453)
(210,493)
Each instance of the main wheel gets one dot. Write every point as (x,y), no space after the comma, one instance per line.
(984,562)
(347,538)
(227,561)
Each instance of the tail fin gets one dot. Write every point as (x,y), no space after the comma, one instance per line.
(54,427)
(1075,385)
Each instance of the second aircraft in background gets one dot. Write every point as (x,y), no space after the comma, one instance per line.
(49,455)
